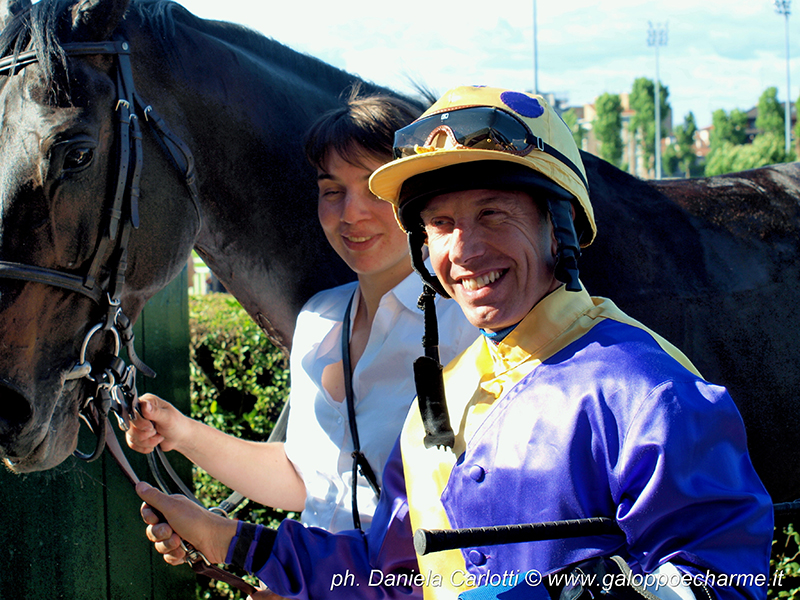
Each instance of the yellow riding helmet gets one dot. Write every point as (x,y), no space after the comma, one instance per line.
(474,123)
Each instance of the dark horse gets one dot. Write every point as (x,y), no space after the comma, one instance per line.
(711,264)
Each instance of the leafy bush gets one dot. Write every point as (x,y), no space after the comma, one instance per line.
(239,383)
(785,562)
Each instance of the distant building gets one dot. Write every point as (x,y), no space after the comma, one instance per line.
(702,143)
(752,115)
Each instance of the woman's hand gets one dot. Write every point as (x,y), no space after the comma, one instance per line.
(162,424)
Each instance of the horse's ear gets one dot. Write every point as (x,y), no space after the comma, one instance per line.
(9,8)
(96,20)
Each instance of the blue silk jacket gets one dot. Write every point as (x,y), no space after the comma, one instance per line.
(579,412)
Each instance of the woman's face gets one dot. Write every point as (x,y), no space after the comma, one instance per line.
(359,226)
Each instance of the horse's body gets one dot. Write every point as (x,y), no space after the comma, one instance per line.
(716,274)
(713,265)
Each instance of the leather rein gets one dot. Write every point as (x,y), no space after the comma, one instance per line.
(114,381)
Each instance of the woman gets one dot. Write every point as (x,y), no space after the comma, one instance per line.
(313,471)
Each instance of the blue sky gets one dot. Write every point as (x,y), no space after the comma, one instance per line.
(719,53)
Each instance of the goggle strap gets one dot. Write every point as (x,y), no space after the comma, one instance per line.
(548,149)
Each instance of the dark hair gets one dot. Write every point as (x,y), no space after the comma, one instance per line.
(365,125)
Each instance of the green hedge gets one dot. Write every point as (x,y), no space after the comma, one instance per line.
(240,382)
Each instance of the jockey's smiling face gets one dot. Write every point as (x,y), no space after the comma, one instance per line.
(493,251)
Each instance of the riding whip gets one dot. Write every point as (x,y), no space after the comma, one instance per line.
(438,540)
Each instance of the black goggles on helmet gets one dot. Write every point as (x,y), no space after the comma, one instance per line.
(478,127)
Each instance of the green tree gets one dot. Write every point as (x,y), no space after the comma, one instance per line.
(608,127)
(766,149)
(684,142)
(728,128)
(643,120)
(728,132)
(578,130)
(671,161)
(721,159)
(797,131)
(770,117)
(729,153)
(771,124)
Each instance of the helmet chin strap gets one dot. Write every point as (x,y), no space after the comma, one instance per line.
(427,369)
(416,242)
(569,249)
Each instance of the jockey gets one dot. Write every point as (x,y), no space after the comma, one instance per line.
(567,408)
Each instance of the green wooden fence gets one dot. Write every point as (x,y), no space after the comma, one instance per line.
(74,532)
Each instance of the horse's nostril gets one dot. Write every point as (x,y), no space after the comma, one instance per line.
(15,411)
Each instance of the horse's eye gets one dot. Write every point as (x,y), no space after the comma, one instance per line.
(78,158)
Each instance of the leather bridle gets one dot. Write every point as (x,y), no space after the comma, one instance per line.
(114,381)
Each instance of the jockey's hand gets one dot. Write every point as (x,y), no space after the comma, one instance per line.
(209,533)
(162,424)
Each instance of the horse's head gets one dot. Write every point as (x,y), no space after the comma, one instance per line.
(70,197)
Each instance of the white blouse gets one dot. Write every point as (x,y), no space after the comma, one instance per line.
(318,440)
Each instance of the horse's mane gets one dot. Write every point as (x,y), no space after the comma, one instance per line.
(37,27)
(164,15)
(42,25)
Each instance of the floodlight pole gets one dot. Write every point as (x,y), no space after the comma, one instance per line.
(657,36)
(535,53)
(783,7)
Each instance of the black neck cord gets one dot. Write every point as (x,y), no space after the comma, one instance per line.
(360,462)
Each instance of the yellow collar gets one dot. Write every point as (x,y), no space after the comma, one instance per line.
(550,318)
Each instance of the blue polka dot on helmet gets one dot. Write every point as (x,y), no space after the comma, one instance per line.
(522,104)
(474,124)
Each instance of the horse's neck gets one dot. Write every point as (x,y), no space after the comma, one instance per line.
(244,118)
